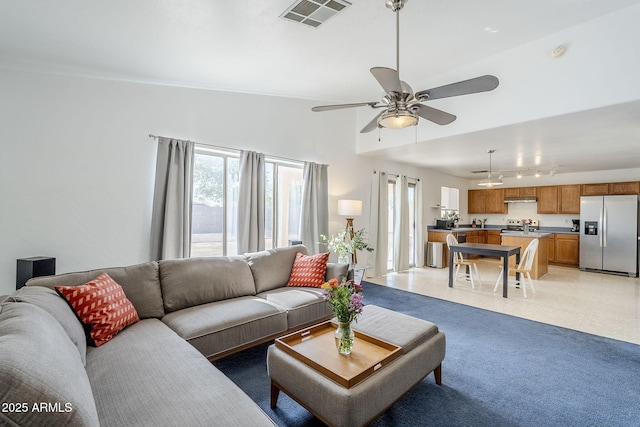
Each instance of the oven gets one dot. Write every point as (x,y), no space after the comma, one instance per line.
(516,225)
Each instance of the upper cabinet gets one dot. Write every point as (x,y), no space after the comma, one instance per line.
(476,202)
(520,192)
(552,199)
(494,201)
(624,188)
(595,189)
(569,199)
(487,201)
(511,192)
(548,199)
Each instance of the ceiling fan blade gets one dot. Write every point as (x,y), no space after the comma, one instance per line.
(434,115)
(388,79)
(465,87)
(339,106)
(373,124)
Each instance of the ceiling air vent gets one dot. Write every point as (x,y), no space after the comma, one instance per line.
(314,13)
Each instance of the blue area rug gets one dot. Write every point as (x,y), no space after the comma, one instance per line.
(499,370)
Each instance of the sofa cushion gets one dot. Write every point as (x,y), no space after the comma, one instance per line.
(224,325)
(50,301)
(303,305)
(139,282)
(271,269)
(336,270)
(41,366)
(149,376)
(308,270)
(194,281)
(102,306)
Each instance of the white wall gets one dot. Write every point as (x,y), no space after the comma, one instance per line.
(77,165)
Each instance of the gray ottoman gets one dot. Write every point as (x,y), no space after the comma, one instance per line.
(423,348)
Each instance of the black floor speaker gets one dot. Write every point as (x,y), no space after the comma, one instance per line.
(34,267)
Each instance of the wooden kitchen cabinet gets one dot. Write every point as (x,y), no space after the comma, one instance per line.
(512,192)
(595,189)
(527,192)
(548,199)
(621,188)
(552,248)
(493,237)
(520,192)
(476,201)
(494,201)
(486,201)
(569,199)
(567,249)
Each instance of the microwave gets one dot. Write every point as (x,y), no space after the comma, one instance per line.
(444,224)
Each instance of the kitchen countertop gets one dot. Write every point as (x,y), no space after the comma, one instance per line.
(531,234)
(465,229)
(543,230)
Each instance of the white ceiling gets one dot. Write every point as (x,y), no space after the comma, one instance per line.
(244,46)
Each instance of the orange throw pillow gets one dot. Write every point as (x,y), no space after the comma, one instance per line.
(102,306)
(308,270)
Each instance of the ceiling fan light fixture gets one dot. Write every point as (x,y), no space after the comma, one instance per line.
(397,119)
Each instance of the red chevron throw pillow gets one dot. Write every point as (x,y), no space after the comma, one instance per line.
(309,270)
(102,306)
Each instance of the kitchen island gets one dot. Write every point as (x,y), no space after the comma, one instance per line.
(519,238)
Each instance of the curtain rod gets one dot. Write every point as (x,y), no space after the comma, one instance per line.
(395,175)
(233,149)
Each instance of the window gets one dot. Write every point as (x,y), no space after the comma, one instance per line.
(449,202)
(215,203)
(214,219)
(283,192)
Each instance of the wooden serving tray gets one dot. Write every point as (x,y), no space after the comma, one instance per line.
(316,347)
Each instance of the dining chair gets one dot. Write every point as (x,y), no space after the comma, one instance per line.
(524,267)
(470,265)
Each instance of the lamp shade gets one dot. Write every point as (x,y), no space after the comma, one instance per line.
(350,208)
(397,119)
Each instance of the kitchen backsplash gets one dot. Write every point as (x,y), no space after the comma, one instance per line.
(522,211)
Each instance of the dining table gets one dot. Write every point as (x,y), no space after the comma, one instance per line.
(488,250)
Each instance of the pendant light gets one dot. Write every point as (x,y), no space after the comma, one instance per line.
(490,182)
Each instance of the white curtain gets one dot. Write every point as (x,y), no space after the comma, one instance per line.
(171,216)
(378,224)
(418,238)
(401,225)
(314,212)
(251,204)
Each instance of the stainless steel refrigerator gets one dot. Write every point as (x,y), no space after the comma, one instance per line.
(609,238)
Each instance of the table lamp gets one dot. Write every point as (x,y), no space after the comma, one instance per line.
(350,209)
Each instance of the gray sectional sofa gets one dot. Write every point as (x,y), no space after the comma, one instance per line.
(156,371)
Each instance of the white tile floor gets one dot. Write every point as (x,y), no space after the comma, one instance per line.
(600,304)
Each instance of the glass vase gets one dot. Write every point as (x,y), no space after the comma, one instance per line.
(344,259)
(344,338)
(526,229)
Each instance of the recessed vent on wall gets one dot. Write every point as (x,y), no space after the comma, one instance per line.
(314,13)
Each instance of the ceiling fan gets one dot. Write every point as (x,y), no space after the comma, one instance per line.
(401,106)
